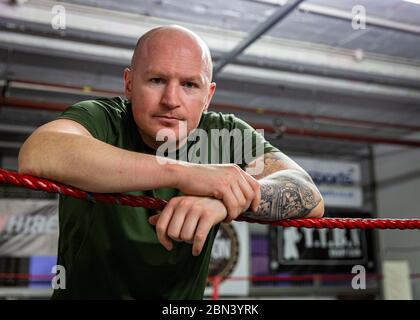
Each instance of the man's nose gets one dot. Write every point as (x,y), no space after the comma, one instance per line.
(170,97)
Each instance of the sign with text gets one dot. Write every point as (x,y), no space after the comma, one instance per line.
(338,181)
(320,250)
(28,227)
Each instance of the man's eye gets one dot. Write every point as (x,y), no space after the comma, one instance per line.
(190,85)
(156,80)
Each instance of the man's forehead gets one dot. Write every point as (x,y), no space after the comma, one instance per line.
(176,42)
(170,48)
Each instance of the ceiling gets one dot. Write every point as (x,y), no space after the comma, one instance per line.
(312,81)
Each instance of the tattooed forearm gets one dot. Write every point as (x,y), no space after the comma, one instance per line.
(287,191)
(272,163)
(284,196)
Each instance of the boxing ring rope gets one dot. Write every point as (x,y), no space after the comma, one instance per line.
(49,186)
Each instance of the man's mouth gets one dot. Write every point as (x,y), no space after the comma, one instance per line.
(169,117)
(168,120)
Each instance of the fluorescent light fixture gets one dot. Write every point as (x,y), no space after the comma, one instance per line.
(413,1)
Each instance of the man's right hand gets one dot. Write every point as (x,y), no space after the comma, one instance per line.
(227,182)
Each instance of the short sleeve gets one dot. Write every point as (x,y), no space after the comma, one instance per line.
(253,137)
(232,140)
(91,115)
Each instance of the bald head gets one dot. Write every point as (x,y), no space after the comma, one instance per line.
(184,37)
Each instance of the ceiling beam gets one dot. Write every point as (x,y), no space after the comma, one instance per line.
(271,21)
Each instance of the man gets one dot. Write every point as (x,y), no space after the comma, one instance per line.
(111,145)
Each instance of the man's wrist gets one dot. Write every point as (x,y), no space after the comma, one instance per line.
(176,172)
(172,174)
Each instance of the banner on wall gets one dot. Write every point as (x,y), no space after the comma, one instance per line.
(312,250)
(230,258)
(28,227)
(340,182)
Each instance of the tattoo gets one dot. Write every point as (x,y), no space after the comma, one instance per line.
(287,191)
(284,197)
(273,162)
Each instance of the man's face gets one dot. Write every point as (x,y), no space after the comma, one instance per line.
(168,87)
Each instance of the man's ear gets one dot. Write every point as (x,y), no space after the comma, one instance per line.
(206,106)
(128,84)
(212,89)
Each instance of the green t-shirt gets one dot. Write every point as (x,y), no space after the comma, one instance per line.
(112,251)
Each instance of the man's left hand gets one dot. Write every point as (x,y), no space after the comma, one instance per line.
(188,219)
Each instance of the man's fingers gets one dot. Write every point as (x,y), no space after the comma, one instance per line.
(256,202)
(162,225)
(177,220)
(189,227)
(203,228)
(230,202)
(248,192)
(251,180)
(154,219)
(240,202)
(255,185)
(240,197)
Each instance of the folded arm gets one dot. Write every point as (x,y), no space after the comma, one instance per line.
(287,191)
(65,151)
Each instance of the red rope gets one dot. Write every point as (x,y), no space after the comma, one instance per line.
(36,183)
(343,223)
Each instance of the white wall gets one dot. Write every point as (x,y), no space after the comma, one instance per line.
(397,172)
